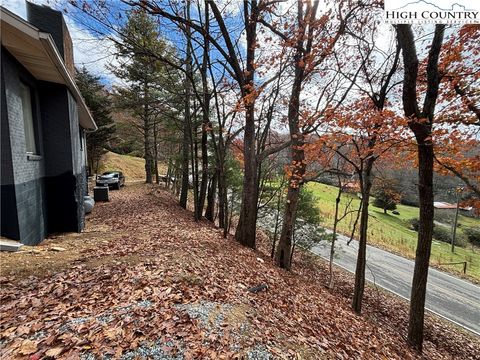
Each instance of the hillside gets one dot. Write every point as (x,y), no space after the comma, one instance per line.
(132,167)
(138,285)
(393,232)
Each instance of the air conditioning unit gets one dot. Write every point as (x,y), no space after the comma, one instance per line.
(100,193)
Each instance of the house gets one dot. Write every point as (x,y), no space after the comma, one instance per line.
(351,186)
(447,209)
(43,125)
(445,205)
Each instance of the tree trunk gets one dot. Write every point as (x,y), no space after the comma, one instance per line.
(194,153)
(366,184)
(155,148)
(222,198)
(294,242)
(147,149)
(185,151)
(229,214)
(302,52)
(187,120)
(169,173)
(421,125)
(247,223)
(205,120)
(212,189)
(422,256)
(204,180)
(277,216)
(334,235)
(284,249)
(146,136)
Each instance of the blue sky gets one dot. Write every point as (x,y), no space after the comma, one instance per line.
(91,50)
(92,46)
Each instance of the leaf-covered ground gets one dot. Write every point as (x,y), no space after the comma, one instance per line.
(145,281)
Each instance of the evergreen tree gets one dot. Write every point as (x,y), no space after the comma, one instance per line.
(99,103)
(146,77)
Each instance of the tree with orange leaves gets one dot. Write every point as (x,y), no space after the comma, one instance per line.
(457,145)
(360,134)
(446,78)
(312,39)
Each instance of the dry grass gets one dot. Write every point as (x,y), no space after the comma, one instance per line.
(42,260)
(132,167)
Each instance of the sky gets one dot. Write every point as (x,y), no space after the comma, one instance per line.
(96,52)
(90,50)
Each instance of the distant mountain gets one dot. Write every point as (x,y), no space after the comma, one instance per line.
(423,3)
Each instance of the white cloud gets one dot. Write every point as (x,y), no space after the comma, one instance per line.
(93,52)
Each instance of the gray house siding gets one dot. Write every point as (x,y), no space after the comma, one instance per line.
(78,159)
(9,219)
(64,180)
(43,193)
(28,172)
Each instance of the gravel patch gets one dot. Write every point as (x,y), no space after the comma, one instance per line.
(213,317)
(210,315)
(154,351)
(145,351)
(259,352)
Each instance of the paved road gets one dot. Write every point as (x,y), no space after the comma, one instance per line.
(455,299)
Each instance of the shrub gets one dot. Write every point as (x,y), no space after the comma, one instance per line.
(414,224)
(443,234)
(445,216)
(386,194)
(383,201)
(473,235)
(307,209)
(410,201)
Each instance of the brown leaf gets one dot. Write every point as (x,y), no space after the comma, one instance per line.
(28,347)
(23,330)
(54,352)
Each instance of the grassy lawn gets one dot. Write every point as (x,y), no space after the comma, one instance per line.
(393,233)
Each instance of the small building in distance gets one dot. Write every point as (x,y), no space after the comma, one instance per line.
(445,207)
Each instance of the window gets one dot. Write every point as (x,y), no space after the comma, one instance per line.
(28,124)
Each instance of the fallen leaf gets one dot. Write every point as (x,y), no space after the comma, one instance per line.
(54,352)
(28,347)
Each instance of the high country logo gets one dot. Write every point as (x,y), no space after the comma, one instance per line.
(442,12)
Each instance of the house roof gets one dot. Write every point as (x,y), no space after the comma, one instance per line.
(445,205)
(37,51)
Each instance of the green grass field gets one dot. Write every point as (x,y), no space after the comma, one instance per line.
(392,232)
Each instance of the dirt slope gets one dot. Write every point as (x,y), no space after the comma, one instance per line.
(145,281)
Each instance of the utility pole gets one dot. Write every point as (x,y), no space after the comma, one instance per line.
(454,232)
